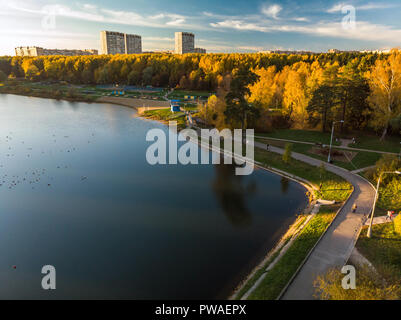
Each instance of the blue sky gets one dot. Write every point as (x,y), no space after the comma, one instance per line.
(219,25)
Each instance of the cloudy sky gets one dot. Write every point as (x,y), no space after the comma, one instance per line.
(219,25)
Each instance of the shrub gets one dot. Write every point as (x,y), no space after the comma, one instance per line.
(397,224)
(287,153)
(369,286)
(3,76)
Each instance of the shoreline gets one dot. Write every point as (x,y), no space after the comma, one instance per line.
(286,234)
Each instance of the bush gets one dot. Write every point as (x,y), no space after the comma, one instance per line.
(3,76)
(397,224)
(369,286)
(287,153)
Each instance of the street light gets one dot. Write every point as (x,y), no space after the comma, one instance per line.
(399,155)
(331,139)
(376,197)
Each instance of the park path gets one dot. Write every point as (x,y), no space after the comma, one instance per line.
(336,245)
(333,146)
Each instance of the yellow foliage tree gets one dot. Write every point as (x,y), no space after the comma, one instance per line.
(295,98)
(385,85)
(263,91)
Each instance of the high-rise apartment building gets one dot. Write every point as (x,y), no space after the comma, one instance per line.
(133,43)
(120,43)
(184,42)
(112,42)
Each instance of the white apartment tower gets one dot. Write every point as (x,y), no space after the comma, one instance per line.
(120,43)
(184,42)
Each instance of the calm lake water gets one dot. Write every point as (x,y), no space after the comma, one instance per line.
(77,193)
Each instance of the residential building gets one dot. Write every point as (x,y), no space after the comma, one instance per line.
(184,42)
(133,43)
(38,51)
(112,42)
(120,43)
(286,52)
(199,50)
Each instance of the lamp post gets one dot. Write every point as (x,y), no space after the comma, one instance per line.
(399,155)
(331,139)
(376,197)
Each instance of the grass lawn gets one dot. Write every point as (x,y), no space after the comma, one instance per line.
(300,135)
(383,250)
(333,186)
(361,160)
(372,142)
(166,115)
(278,277)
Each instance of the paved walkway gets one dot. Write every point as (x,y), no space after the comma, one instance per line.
(363,169)
(381,220)
(337,244)
(333,146)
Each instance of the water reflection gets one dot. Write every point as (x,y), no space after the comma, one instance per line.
(233,195)
(285,183)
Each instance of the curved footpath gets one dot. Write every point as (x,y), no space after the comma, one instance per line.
(336,245)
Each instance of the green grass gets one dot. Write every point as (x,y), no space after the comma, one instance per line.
(166,115)
(333,186)
(361,160)
(278,277)
(372,142)
(256,276)
(389,194)
(383,250)
(300,135)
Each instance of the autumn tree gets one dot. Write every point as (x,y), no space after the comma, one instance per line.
(385,85)
(321,105)
(352,90)
(239,112)
(263,91)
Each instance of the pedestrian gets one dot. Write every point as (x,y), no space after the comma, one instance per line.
(354,207)
(388,215)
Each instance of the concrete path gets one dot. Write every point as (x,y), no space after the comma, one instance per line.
(381,220)
(336,245)
(363,169)
(334,147)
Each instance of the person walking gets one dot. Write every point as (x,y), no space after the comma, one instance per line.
(354,207)
(390,215)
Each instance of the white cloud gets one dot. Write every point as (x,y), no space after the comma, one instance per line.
(369,6)
(272,10)
(336,8)
(95,14)
(239,25)
(301,19)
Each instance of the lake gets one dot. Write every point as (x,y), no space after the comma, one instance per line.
(77,193)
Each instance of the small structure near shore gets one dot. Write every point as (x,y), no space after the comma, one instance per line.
(175,106)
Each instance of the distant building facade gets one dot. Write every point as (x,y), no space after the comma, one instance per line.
(342,51)
(287,52)
(38,51)
(133,43)
(120,43)
(199,50)
(185,43)
(112,42)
